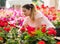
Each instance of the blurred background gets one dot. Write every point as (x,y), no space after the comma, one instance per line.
(9,3)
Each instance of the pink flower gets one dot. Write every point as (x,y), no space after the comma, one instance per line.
(20,22)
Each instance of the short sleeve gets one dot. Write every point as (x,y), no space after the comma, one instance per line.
(39,15)
(46,21)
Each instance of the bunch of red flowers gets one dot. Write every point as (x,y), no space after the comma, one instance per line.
(5,25)
(51,31)
(37,33)
(31,30)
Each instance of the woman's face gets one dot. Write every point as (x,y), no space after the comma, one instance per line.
(26,11)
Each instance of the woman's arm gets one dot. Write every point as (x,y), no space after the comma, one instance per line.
(25,23)
(46,21)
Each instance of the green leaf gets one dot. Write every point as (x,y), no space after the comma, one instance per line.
(12,41)
(1,28)
(2,34)
(53,41)
(41,1)
(23,35)
(34,0)
(45,38)
(39,33)
(58,14)
(26,37)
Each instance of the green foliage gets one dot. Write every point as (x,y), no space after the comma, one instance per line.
(37,0)
(57,24)
(11,37)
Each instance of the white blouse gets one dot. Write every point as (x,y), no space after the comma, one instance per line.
(39,19)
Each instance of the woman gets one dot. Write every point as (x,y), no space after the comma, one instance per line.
(33,18)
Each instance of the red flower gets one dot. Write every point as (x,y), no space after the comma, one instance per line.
(43,29)
(31,31)
(22,29)
(41,42)
(54,14)
(54,32)
(42,6)
(0,20)
(3,23)
(58,42)
(12,25)
(51,31)
(38,8)
(54,17)
(7,29)
(52,8)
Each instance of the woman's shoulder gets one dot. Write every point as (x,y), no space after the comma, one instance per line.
(39,15)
